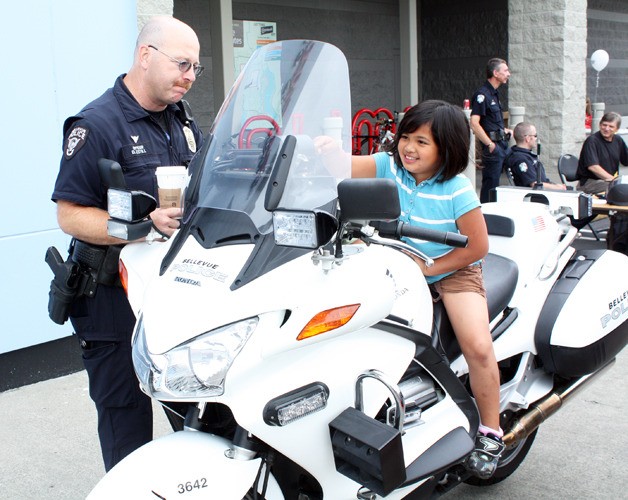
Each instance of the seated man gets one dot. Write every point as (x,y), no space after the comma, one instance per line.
(523,162)
(601,155)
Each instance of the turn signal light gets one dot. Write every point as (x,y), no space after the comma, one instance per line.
(124,276)
(328,320)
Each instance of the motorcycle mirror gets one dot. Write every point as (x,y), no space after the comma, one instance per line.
(368,200)
(111,174)
(128,212)
(129,206)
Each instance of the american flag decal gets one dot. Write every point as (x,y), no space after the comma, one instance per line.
(538,223)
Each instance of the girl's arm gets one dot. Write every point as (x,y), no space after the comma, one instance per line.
(363,166)
(331,153)
(473,226)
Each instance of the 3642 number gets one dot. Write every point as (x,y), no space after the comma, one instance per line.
(191,486)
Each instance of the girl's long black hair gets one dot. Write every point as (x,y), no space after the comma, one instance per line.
(450,130)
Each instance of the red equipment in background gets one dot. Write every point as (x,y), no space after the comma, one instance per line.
(247,134)
(372,130)
(369,127)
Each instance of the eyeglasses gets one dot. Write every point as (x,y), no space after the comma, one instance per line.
(531,135)
(184,66)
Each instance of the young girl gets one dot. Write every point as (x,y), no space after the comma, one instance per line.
(426,160)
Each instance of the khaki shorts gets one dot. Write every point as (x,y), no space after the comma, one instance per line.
(467,279)
(593,186)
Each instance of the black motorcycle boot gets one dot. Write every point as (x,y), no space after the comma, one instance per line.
(483,460)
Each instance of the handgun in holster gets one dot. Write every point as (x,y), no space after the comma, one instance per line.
(63,287)
(499,135)
(87,267)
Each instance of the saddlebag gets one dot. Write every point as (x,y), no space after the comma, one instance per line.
(583,323)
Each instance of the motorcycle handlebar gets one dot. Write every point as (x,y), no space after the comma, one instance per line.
(398,229)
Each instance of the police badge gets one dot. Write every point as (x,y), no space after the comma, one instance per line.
(189,137)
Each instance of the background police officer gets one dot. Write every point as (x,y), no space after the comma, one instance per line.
(487,123)
(523,162)
(140,123)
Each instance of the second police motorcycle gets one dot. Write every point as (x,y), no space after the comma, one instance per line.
(298,364)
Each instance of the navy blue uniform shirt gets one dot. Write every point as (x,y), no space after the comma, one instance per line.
(485,103)
(524,165)
(116,127)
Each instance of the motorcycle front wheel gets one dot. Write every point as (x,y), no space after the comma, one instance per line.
(510,460)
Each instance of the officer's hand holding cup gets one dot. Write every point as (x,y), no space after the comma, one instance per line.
(171,183)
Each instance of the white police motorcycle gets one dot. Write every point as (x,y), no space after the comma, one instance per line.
(303,366)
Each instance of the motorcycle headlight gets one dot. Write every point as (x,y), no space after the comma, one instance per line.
(194,369)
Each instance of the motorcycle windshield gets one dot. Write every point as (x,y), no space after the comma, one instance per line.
(288,94)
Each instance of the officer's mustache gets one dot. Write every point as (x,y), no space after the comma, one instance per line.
(185,84)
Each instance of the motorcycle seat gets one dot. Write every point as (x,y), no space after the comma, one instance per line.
(500,279)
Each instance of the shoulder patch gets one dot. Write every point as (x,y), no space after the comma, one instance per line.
(523,166)
(480,98)
(75,141)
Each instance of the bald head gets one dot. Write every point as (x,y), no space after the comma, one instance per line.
(166,63)
(525,135)
(160,30)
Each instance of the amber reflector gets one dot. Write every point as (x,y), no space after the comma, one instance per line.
(328,320)
(124,276)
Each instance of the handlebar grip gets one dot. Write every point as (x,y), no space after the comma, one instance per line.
(397,229)
(445,237)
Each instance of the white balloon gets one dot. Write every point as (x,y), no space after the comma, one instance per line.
(599,59)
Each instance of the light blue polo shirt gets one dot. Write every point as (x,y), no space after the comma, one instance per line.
(430,204)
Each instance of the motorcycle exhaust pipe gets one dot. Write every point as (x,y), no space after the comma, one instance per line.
(539,412)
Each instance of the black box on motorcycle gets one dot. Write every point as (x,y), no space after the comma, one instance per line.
(367,451)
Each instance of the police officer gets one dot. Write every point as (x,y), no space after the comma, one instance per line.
(522,161)
(487,124)
(141,123)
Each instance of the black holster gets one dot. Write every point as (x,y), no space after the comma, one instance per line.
(499,135)
(63,287)
(87,267)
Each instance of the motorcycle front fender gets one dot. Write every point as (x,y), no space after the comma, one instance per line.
(185,462)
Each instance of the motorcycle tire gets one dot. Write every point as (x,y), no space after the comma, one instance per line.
(508,463)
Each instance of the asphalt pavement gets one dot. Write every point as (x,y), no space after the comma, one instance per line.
(49,446)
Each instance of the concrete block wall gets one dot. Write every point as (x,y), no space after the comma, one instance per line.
(546,42)
(457,40)
(366,31)
(547,48)
(149,8)
(608,30)
(201,96)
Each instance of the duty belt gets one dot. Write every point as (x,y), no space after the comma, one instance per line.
(100,261)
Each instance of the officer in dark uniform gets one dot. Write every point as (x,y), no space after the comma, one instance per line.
(141,123)
(487,123)
(523,162)
(525,166)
